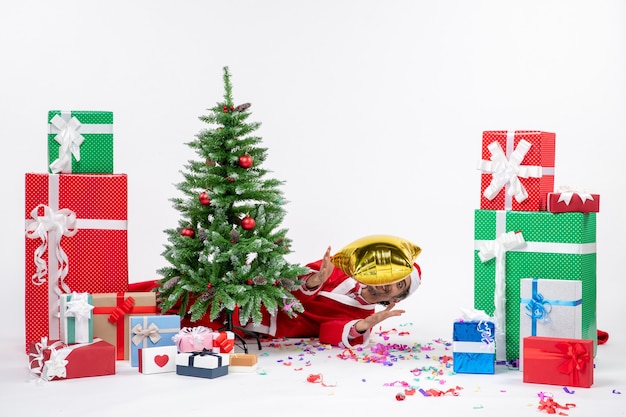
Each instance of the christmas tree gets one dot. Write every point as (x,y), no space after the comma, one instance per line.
(229,250)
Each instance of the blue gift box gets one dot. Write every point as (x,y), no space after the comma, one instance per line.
(151,331)
(204,364)
(473,347)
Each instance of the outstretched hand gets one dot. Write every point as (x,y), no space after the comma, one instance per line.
(378,317)
(320,277)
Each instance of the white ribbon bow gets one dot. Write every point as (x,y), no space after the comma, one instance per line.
(55,366)
(52,225)
(70,140)
(197,333)
(497,249)
(568,192)
(151,332)
(78,307)
(508,171)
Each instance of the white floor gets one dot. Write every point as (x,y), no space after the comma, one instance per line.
(302,378)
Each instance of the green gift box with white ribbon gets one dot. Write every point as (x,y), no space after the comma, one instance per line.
(80,142)
(512,245)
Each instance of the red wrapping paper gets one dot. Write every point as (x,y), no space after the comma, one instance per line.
(541,153)
(558,361)
(84,360)
(576,204)
(93,253)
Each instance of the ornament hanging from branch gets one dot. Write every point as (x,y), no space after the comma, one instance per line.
(245,161)
(204,199)
(207,295)
(234,236)
(248,223)
(187,232)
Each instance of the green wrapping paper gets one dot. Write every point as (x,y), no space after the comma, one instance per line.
(557,246)
(80,142)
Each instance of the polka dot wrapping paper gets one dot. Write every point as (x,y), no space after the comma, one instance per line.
(76,241)
(503,173)
(557,246)
(80,142)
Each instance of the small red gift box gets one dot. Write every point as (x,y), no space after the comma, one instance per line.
(558,361)
(517,170)
(571,200)
(76,241)
(53,360)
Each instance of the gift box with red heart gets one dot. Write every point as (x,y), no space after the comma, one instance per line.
(157,360)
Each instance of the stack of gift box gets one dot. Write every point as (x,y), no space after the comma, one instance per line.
(534,262)
(79,316)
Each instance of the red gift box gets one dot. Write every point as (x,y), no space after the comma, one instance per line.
(572,200)
(558,361)
(518,170)
(76,240)
(53,360)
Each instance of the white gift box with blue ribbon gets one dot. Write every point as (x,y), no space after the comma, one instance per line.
(550,308)
(473,347)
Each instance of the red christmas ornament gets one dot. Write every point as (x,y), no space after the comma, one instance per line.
(248,223)
(209,285)
(229,179)
(225,108)
(204,198)
(250,282)
(245,161)
(188,232)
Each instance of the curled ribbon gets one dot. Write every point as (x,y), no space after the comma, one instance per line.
(536,308)
(140,334)
(52,226)
(55,366)
(567,192)
(497,249)
(37,359)
(508,171)
(70,140)
(485,332)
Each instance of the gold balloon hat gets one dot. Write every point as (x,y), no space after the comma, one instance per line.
(377,259)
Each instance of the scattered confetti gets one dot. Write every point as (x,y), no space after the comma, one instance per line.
(616,391)
(318,379)
(400,396)
(568,391)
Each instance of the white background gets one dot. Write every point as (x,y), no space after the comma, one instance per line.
(372,112)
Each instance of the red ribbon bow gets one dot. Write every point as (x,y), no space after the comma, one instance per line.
(576,357)
(121,310)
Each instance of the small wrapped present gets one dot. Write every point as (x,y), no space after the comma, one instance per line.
(194,339)
(570,199)
(223,342)
(245,363)
(76,318)
(517,169)
(157,360)
(111,312)
(473,346)
(80,142)
(204,364)
(51,360)
(151,331)
(550,307)
(558,361)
